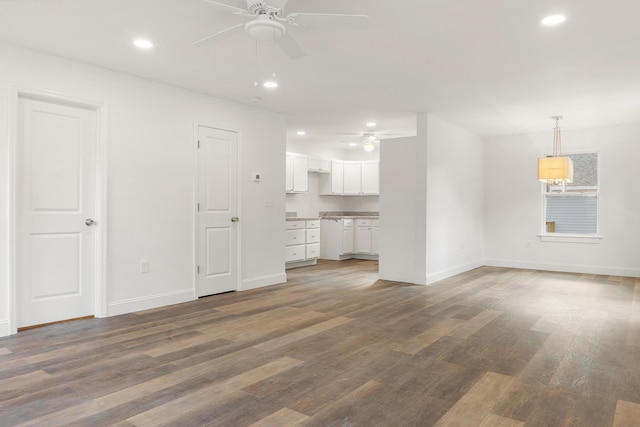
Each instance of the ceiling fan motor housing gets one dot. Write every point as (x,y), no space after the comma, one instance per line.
(256,6)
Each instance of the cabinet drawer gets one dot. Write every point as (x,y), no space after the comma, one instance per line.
(313,251)
(314,223)
(294,237)
(294,253)
(375,222)
(294,225)
(313,236)
(347,222)
(363,222)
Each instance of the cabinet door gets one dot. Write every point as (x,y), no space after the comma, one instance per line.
(300,170)
(289,173)
(363,240)
(370,177)
(352,178)
(325,165)
(347,240)
(337,177)
(375,247)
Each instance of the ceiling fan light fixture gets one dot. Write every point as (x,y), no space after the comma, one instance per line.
(265,29)
(368,146)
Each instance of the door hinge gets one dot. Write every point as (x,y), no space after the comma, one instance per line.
(198,207)
(198,143)
(198,269)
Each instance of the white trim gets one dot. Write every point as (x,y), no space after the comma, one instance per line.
(570,238)
(147,302)
(4,328)
(565,268)
(445,274)
(262,281)
(100,245)
(196,169)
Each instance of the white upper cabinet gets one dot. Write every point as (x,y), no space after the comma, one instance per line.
(319,165)
(352,178)
(371,177)
(297,166)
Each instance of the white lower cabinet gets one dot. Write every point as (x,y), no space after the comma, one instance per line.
(302,243)
(348,238)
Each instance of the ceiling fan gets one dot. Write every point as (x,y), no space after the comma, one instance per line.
(269,23)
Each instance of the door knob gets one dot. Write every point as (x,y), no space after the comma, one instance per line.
(89,222)
(235,219)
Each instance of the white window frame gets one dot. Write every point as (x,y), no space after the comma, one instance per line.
(593,238)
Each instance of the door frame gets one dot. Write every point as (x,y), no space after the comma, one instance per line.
(196,188)
(100,244)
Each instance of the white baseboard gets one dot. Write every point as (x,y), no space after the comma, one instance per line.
(259,282)
(445,274)
(153,301)
(4,328)
(565,268)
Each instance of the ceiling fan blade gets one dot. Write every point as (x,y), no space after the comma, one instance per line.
(220,34)
(328,20)
(233,6)
(278,4)
(290,46)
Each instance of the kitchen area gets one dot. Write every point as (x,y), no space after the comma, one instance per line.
(332,204)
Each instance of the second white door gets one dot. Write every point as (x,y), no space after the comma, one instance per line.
(217,269)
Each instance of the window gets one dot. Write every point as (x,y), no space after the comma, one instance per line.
(574,211)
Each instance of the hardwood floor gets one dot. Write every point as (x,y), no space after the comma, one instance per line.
(336,347)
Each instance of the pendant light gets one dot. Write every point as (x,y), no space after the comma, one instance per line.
(556,170)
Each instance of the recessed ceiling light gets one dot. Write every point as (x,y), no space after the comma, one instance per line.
(553,20)
(353,144)
(144,44)
(301,133)
(372,124)
(270,84)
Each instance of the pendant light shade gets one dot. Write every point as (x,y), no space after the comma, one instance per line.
(555,170)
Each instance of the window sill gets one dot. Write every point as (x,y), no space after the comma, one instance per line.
(570,238)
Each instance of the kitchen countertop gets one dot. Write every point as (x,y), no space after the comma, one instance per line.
(336,218)
(302,218)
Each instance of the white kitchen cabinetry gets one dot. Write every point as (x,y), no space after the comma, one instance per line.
(319,165)
(366,236)
(302,243)
(297,166)
(352,178)
(363,236)
(349,238)
(333,183)
(375,233)
(371,177)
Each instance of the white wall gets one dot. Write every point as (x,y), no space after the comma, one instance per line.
(513,203)
(455,200)
(431,203)
(150,134)
(402,248)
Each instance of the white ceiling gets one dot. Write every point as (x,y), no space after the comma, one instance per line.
(485,65)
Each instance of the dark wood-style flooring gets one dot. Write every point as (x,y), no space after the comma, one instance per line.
(336,347)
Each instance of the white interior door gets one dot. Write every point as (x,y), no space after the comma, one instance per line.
(55,196)
(217,211)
